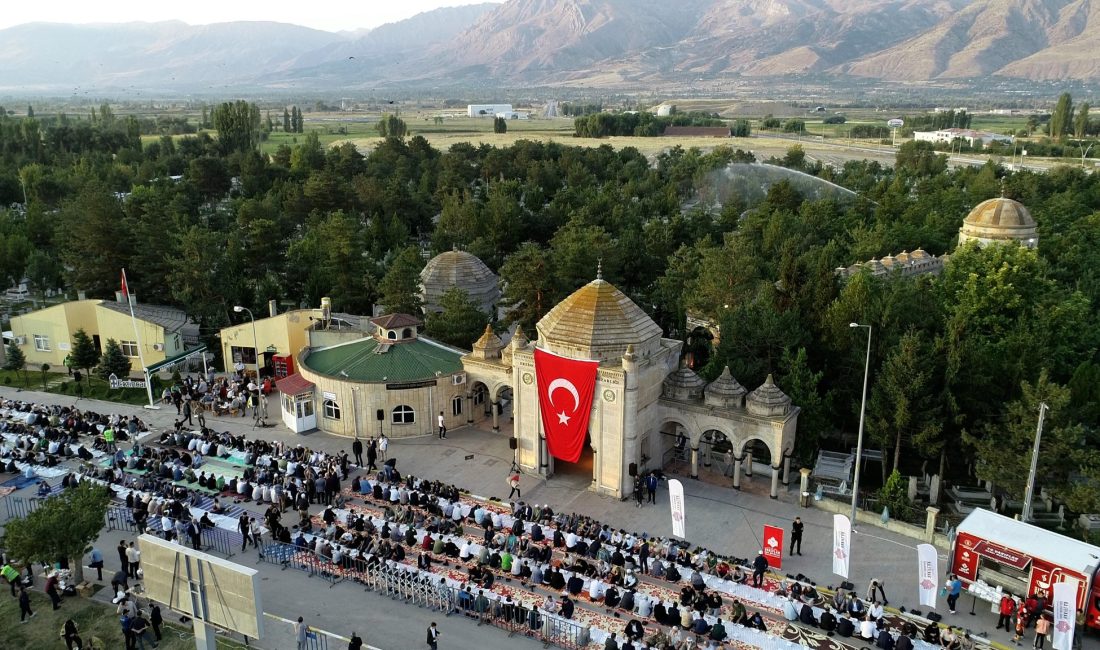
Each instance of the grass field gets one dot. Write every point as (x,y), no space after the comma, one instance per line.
(93,620)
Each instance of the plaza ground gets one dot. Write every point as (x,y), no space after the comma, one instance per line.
(718,517)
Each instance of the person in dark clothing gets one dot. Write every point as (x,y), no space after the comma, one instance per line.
(885,639)
(122,558)
(24,605)
(372,456)
(796,535)
(51,591)
(357,451)
(759,567)
(70,636)
(651,487)
(806,615)
(155,620)
(845,627)
(355,643)
(827,621)
(566,609)
(904,642)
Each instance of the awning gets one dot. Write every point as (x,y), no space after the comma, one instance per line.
(294,384)
(999,553)
(171,361)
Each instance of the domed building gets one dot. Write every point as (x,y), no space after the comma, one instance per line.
(645,408)
(462,270)
(999,220)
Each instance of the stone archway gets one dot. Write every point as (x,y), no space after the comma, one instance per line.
(749,455)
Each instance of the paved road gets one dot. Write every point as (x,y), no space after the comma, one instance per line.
(718,517)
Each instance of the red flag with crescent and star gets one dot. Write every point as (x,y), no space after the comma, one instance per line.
(565,399)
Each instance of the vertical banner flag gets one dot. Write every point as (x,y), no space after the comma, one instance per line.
(1065,614)
(842,545)
(125,289)
(676,501)
(565,389)
(773,546)
(927,574)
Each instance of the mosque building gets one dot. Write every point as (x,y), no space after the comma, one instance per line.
(999,220)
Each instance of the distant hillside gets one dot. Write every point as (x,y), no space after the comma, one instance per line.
(628,43)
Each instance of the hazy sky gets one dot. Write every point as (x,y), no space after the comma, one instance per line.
(331,15)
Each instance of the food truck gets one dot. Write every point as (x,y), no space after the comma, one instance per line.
(1023,559)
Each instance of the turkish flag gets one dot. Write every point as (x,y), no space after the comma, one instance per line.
(565,399)
(125,289)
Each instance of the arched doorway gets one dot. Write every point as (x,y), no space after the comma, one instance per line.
(756,472)
(479,406)
(715,453)
(579,475)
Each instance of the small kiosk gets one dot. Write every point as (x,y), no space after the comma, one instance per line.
(297,403)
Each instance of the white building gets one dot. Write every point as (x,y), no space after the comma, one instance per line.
(487,110)
(947,136)
(515,115)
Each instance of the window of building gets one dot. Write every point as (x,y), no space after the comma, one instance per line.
(331,409)
(41,343)
(392,335)
(456,405)
(243,355)
(406,333)
(403,415)
(129,348)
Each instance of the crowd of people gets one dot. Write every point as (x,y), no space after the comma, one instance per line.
(47,435)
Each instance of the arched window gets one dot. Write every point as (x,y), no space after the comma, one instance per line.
(403,415)
(456,405)
(406,333)
(331,409)
(392,335)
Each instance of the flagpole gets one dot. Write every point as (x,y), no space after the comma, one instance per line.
(137,337)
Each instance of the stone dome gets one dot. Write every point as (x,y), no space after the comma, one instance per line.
(598,322)
(725,392)
(999,220)
(488,346)
(768,400)
(684,385)
(464,271)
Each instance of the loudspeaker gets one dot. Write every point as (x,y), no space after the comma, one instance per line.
(513,443)
(380,415)
(633,469)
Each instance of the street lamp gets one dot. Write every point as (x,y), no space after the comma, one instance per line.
(256,353)
(862,416)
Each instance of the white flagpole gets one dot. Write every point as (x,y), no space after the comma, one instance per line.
(137,337)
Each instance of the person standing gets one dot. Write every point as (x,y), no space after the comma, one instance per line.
(639,491)
(187,413)
(355,643)
(383,445)
(301,633)
(122,557)
(194,531)
(372,455)
(1007,607)
(51,591)
(96,557)
(796,536)
(442,427)
(133,559)
(954,590)
(244,527)
(759,567)
(651,487)
(155,620)
(11,575)
(357,451)
(513,482)
(433,636)
(24,605)
(1042,628)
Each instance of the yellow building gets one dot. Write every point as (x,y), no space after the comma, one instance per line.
(45,336)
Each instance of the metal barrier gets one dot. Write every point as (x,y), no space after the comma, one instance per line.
(19,507)
(289,556)
(218,540)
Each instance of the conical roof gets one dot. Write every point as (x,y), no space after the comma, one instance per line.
(768,400)
(598,322)
(725,391)
(684,384)
(489,345)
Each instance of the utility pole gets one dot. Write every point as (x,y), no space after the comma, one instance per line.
(1029,493)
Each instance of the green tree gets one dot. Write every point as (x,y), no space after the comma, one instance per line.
(903,405)
(460,322)
(500,125)
(741,129)
(113,361)
(62,527)
(83,355)
(1061,119)
(400,288)
(919,158)
(392,126)
(44,272)
(14,359)
(1081,121)
(527,276)
(90,228)
(238,126)
(286,121)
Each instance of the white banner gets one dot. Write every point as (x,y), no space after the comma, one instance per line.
(927,574)
(842,545)
(1065,614)
(676,501)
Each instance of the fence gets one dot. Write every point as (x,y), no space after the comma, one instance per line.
(218,540)
(289,556)
(19,507)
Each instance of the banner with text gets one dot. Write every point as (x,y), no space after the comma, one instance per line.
(676,501)
(927,574)
(773,546)
(1065,614)
(842,545)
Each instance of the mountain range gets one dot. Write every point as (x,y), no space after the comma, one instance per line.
(620,43)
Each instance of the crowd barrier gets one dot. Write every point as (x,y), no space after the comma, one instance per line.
(19,507)
(217,540)
(289,556)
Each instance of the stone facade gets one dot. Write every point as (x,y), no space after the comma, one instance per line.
(999,220)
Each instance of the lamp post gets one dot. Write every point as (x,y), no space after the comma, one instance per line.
(1029,493)
(256,354)
(862,417)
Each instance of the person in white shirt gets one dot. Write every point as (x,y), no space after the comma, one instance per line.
(442,427)
(875,610)
(867,628)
